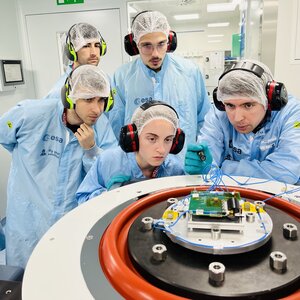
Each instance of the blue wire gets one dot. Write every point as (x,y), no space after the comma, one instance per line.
(179,217)
(263,224)
(216,177)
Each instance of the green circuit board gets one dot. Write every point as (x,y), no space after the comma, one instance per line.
(213,204)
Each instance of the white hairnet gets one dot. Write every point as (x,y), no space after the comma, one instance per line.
(142,117)
(88,81)
(148,22)
(82,34)
(244,84)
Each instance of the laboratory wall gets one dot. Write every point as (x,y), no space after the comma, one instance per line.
(287,59)
(11,48)
(194,44)
(268,34)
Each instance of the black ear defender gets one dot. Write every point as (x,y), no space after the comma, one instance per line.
(69,104)
(275,91)
(129,140)
(218,104)
(70,50)
(131,47)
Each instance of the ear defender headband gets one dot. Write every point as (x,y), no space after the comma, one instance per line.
(70,50)
(275,91)
(69,104)
(131,47)
(65,92)
(129,140)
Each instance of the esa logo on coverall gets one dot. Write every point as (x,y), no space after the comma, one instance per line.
(235,149)
(48,137)
(140,101)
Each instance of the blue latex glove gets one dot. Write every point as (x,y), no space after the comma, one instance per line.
(198,159)
(117,181)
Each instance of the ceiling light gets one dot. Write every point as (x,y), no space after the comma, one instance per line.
(219,7)
(215,35)
(218,24)
(186,17)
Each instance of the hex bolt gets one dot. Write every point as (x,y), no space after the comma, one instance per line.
(290,231)
(171,201)
(216,271)
(147,223)
(278,261)
(250,217)
(159,252)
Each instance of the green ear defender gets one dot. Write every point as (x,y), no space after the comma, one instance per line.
(69,104)
(70,50)
(109,104)
(65,92)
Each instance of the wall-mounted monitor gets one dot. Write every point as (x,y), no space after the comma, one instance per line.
(11,74)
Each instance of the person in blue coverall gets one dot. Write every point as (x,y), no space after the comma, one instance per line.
(84,45)
(52,146)
(254,128)
(144,150)
(156,74)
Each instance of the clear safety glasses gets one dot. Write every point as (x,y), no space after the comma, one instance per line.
(147,48)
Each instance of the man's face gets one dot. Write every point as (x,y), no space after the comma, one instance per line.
(244,114)
(153,47)
(155,142)
(89,110)
(88,54)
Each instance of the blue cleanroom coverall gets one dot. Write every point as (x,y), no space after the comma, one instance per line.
(178,83)
(48,165)
(273,152)
(116,166)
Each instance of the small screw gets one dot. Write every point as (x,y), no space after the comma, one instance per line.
(259,204)
(201,155)
(89,237)
(171,201)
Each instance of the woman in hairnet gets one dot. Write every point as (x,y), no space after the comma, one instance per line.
(143,152)
(254,128)
(53,145)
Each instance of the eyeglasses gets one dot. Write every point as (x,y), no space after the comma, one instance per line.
(148,48)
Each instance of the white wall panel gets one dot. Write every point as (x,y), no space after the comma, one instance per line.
(287,68)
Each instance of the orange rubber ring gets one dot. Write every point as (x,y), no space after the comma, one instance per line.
(113,251)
